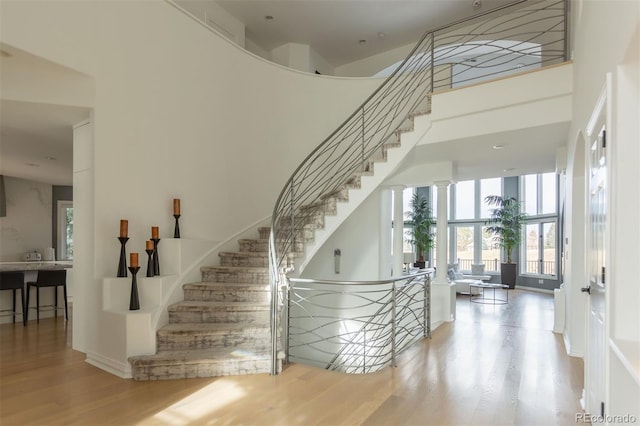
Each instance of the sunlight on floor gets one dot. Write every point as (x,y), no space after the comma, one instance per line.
(202,404)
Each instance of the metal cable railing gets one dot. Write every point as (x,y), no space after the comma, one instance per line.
(521,36)
(356,326)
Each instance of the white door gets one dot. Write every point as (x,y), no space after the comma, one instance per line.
(597,259)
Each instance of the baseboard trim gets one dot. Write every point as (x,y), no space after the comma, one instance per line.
(538,290)
(122,370)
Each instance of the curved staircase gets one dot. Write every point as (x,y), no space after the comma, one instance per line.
(222,326)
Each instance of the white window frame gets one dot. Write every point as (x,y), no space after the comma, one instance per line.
(61,249)
(539,219)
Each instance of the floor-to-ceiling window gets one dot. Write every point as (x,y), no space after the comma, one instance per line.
(539,197)
(469,242)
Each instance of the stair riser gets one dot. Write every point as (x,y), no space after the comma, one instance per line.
(222,316)
(264,232)
(239,260)
(179,341)
(231,367)
(253,246)
(225,295)
(226,276)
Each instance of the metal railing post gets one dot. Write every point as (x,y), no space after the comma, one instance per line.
(364,350)
(293,217)
(364,168)
(393,324)
(427,283)
(425,303)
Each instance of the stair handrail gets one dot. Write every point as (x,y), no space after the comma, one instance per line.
(537,29)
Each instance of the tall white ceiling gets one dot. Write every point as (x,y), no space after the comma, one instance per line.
(334,28)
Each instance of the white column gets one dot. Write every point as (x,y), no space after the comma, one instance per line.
(398,230)
(442,247)
(386,218)
(443,293)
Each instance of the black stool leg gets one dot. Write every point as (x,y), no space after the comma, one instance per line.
(14,305)
(38,304)
(24,307)
(66,311)
(26,312)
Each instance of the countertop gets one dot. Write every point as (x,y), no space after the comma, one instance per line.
(34,266)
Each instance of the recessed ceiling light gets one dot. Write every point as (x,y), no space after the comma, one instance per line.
(50,158)
(509,169)
(500,146)
(381,35)
(363,41)
(520,65)
(268,18)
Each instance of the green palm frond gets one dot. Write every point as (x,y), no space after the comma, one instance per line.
(506,222)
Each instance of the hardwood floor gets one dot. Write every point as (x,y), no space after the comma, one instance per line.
(494,365)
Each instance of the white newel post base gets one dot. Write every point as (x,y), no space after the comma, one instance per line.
(443,303)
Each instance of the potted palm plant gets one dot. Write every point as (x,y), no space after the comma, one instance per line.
(422,224)
(505,225)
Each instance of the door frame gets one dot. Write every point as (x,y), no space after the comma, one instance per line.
(602,106)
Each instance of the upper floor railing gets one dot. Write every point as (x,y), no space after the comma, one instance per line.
(523,35)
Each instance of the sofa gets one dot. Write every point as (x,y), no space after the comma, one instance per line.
(463,281)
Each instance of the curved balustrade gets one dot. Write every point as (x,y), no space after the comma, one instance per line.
(356,326)
(514,38)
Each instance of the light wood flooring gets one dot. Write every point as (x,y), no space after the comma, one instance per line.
(495,365)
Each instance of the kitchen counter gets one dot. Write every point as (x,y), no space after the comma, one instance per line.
(34,266)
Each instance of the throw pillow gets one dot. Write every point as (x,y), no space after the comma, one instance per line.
(477,269)
(451,274)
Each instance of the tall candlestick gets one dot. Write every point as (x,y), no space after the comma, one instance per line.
(133,260)
(176,206)
(154,232)
(124,228)
(122,264)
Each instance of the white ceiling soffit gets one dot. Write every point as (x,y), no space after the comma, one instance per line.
(520,152)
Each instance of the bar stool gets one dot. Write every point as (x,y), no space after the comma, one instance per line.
(14,281)
(49,278)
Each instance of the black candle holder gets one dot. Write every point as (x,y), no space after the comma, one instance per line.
(156,262)
(150,269)
(176,229)
(122,265)
(134,301)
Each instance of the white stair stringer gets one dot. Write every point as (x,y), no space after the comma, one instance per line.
(408,140)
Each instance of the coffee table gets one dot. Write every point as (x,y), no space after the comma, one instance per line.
(482,287)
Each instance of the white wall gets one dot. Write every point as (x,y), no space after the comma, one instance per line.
(301,57)
(181,113)
(358,240)
(209,12)
(595,54)
(27,226)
